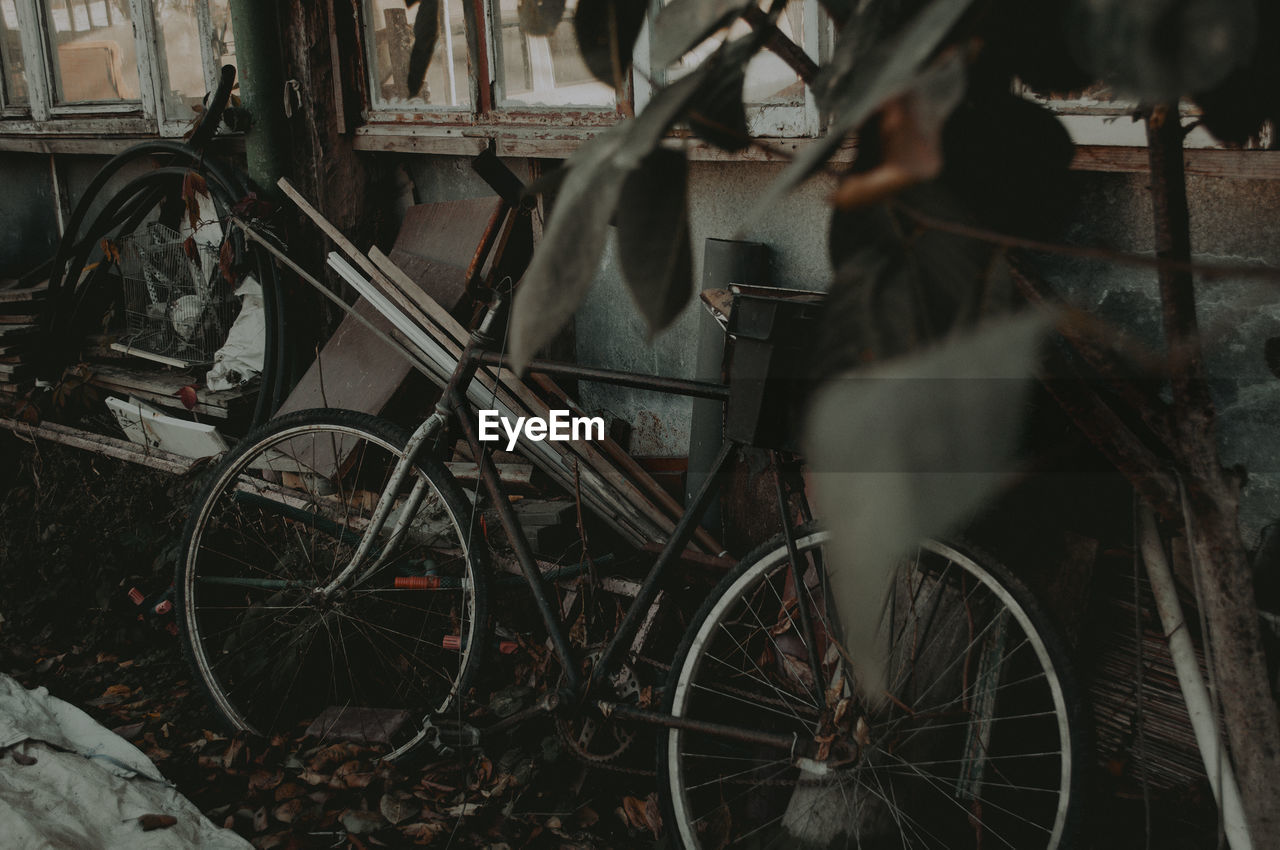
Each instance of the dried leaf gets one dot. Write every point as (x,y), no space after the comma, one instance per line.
(653,237)
(289,790)
(264,780)
(152,822)
(226,261)
(288,811)
(607,31)
(358,823)
(422,833)
(398,807)
(193,186)
(907,450)
(540,17)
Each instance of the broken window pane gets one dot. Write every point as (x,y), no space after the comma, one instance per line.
(14,82)
(545,70)
(390,34)
(94,55)
(184,82)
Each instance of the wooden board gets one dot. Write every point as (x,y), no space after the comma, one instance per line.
(355,370)
(447,232)
(12,332)
(446,282)
(161,386)
(437,243)
(431,330)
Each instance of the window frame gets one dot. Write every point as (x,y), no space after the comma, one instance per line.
(148,115)
(558,128)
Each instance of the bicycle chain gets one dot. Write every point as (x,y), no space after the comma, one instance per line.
(608,762)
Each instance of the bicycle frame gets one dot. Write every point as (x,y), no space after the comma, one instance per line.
(454,405)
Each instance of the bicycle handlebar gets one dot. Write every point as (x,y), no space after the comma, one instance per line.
(207,126)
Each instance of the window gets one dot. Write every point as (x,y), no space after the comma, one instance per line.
(139,66)
(541,81)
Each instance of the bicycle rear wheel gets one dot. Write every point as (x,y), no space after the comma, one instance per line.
(979,742)
(282,516)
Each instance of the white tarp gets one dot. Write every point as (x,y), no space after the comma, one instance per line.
(87,787)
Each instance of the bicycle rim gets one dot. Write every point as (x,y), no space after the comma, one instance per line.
(975,745)
(281,519)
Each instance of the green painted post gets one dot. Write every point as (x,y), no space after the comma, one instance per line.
(259,60)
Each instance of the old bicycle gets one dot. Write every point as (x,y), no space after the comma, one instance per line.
(334,573)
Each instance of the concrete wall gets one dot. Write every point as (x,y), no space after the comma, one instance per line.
(611,332)
(1233,221)
(28,217)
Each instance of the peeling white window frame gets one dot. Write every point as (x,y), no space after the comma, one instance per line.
(146,116)
(484,115)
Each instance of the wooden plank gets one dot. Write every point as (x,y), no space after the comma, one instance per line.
(12,332)
(633,484)
(109,446)
(611,503)
(605,502)
(356,370)
(585,452)
(1208,162)
(161,387)
(446,232)
(18,319)
(446,282)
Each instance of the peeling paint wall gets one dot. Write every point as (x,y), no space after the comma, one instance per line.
(1234,221)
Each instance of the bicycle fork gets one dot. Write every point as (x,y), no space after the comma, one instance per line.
(386,502)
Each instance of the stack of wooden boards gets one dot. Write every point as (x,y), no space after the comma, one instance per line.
(20,305)
(609,481)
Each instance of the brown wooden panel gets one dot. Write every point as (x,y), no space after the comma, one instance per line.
(355,370)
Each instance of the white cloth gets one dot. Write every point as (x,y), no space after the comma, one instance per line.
(88,786)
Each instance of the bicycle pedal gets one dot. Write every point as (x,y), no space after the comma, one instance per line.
(446,736)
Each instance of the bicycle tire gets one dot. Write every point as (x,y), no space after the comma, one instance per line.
(280,517)
(999,763)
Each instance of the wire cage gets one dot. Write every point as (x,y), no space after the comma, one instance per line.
(178,306)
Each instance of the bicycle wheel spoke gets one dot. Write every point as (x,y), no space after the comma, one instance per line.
(272,649)
(976,716)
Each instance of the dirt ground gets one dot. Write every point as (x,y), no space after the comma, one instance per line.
(79,532)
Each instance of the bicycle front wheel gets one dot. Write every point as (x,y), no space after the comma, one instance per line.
(282,517)
(977,744)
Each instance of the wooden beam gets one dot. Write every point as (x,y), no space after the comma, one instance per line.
(101,444)
(1205,162)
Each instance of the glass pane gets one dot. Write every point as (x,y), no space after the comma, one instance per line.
(14,82)
(769,80)
(94,56)
(224,40)
(545,70)
(447,82)
(184,83)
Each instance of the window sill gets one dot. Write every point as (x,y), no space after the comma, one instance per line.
(545,142)
(91,144)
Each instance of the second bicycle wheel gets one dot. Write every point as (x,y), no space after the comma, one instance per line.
(978,742)
(372,658)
